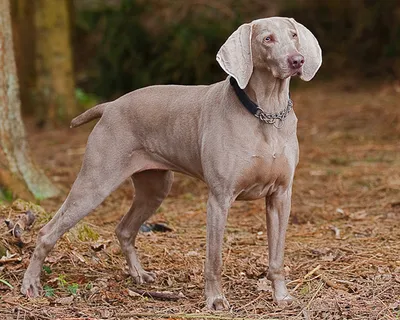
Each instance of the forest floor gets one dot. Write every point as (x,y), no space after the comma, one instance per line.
(343,242)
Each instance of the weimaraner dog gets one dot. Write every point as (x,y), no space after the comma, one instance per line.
(207,132)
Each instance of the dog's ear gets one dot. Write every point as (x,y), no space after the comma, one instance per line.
(235,55)
(310,49)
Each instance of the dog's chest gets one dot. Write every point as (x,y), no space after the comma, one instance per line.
(269,169)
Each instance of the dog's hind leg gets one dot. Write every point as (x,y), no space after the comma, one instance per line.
(151,188)
(105,166)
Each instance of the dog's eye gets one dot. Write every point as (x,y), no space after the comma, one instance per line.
(294,35)
(268,39)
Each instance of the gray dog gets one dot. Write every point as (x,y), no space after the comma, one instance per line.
(206,132)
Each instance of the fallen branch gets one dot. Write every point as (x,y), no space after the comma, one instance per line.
(159,295)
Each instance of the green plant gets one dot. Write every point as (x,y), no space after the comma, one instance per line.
(63,286)
(47,269)
(48,291)
(73,288)
(89,286)
(6,283)
(62,282)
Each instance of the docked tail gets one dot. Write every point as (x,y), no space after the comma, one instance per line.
(89,115)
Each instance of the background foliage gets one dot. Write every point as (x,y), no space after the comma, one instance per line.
(134,43)
(141,45)
(361,36)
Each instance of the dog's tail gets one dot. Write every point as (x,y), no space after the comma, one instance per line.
(89,115)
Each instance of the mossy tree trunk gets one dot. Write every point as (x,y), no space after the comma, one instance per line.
(18,173)
(55,87)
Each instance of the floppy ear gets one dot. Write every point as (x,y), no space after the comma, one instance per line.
(235,55)
(310,50)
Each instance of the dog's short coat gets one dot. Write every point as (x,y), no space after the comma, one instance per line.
(205,132)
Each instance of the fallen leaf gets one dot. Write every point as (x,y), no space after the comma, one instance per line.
(336,230)
(105,313)
(23,223)
(65,300)
(329,257)
(264,285)
(54,258)
(98,246)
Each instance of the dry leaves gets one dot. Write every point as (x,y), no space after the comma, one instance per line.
(342,251)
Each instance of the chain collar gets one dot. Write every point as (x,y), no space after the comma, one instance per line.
(270,118)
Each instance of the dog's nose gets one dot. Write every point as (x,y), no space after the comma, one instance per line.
(296,61)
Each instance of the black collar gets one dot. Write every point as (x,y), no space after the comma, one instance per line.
(254,109)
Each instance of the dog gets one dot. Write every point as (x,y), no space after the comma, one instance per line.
(237,135)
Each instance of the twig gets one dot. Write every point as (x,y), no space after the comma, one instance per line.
(179,315)
(329,282)
(159,295)
(251,302)
(311,300)
(301,281)
(312,271)
(10,260)
(19,305)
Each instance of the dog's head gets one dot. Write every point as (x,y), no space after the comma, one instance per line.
(279,45)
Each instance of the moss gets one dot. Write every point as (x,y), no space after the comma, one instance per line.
(6,195)
(3,250)
(86,233)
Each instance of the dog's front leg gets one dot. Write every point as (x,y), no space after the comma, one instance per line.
(217,212)
(278,211)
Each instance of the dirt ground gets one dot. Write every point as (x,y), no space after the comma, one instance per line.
(343,243)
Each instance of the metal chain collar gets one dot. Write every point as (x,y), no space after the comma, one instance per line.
(254,109)
(271,118)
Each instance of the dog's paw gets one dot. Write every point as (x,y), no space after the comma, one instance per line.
(217,303)
(31,287)
(284,301)
(143,277)
(280,294)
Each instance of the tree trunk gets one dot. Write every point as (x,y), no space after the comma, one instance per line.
(22,16)
(55,85)
(18,173)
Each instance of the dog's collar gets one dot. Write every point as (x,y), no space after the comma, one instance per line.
(254,109)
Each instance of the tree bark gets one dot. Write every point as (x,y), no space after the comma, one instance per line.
(18,173)
(22,16)
(55,85)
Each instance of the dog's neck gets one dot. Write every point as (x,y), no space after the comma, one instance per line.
(271,94)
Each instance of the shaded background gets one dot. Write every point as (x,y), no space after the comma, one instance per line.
(121,45)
